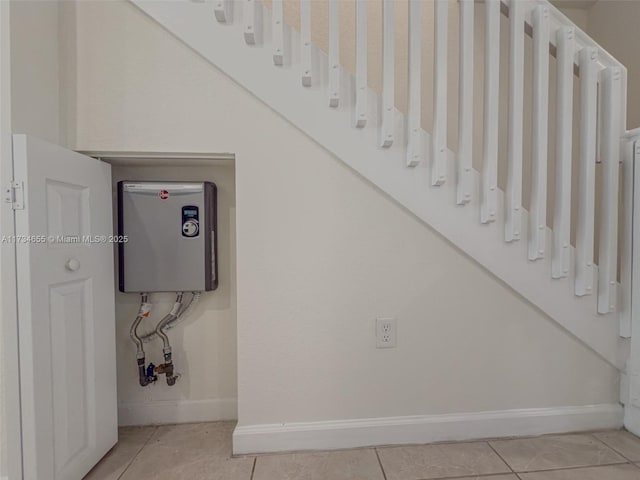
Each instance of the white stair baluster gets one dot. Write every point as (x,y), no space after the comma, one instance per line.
(538,207)
(414,114)
(277,32)
(361,64)
(223,10)
(465,104)
(250,21)
(513,194)
(611,131)
(388,74)
(439,153)
(625,215)
(560,261)
(489,190)
(587,171)
(334,53)
(305,41)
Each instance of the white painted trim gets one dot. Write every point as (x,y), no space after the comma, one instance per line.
(585,219)
(561,257)
(336,434)
(439,160)
(11,441)
(630,382)
(415,147)
(179,411)
(465,103)
(489,171)
(334,53)
(160,158)
(361,77)
(610,135)
(540,135)
(170,156)
(626,253)
(513,191)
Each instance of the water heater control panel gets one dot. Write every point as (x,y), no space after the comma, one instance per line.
(190,221)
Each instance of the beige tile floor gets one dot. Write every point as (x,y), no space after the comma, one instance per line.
(203,452)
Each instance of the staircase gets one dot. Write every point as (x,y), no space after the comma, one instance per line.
(281,66)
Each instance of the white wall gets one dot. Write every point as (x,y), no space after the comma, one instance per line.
(36,70)
(614,24)
(33,90)
(321,253)
(204,344)
(576,15)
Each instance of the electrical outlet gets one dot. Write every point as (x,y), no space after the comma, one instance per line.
(386,334)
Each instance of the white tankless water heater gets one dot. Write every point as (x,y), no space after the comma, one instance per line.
(170,230)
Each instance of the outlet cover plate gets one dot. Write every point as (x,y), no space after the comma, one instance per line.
(386,333)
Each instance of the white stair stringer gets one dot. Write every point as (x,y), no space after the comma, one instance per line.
(280,88)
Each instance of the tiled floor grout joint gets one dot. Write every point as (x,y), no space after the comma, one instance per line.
(146,442)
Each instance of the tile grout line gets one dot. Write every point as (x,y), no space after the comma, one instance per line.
(464,477)
(590,434)
(512,471)
(474,476)
(155,429)
(503,460)
(579,467)
(253,468)
(612,448)
(517,474)
(384,474)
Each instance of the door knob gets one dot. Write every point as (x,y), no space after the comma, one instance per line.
(72,264)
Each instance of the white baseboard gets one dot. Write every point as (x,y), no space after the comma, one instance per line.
(180,411)
(329,435)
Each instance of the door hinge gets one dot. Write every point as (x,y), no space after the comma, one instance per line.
(14,195)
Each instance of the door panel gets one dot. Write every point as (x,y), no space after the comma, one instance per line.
(71,331)
(67,209)
(65,310)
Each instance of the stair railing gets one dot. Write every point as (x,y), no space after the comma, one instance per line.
(601,123)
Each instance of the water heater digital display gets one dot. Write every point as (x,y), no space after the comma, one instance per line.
(190,221)
(171,236)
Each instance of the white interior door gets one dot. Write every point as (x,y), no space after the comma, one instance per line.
(65,310)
